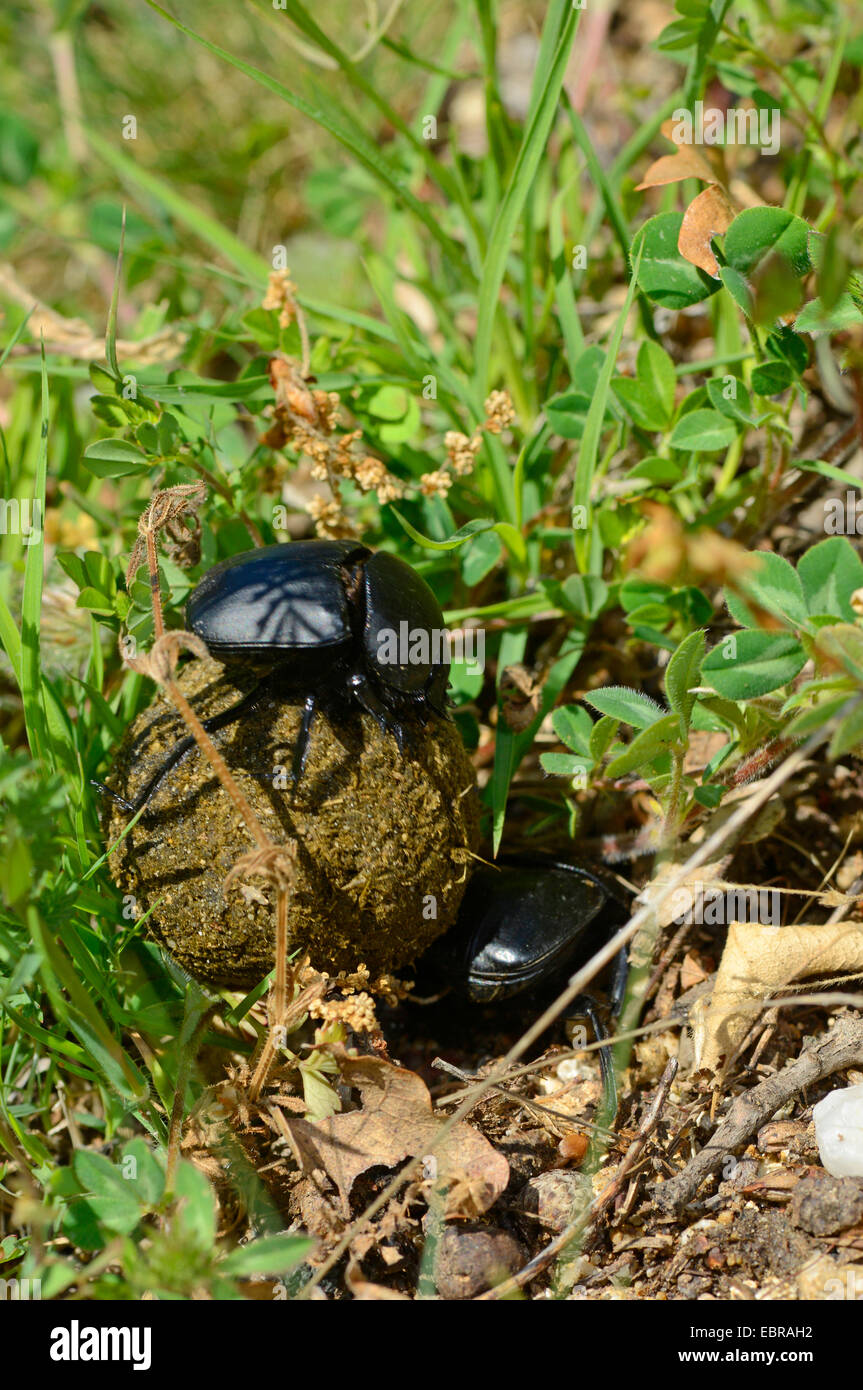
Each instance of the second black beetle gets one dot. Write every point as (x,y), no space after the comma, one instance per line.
(311,616)
(525,923)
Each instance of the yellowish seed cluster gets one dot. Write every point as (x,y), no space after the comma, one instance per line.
(356,1012)
(305,421)
(281,295)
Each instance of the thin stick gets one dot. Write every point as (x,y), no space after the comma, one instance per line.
(277,1004)
(155,593)
(218,764)
(533,1107)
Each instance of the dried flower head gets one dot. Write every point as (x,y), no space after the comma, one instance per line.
(160,662)
(357,1012)
(281,294)
(165,512)
(371,475)
(499,412)
(275,864)
(436,484)
(331,521)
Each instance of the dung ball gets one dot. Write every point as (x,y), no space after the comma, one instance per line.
(384,839)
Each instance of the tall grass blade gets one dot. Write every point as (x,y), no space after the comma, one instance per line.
(540,121)
(588,455)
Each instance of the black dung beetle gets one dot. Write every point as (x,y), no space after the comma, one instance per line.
(524,923)
(321,619)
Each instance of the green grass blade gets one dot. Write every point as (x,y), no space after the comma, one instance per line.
(425,64)
(345,131)
(31,603)
(510,747)
(512,538)
(707,37)
(567,308)
(111,333)
(597,173)
(589,452)
(15,336)
(322,310)
(612,204)
(248,262)
(416,351)
(83,1017)
(638,142)
(549,39)
(539,126)
(10,640)
(437,171)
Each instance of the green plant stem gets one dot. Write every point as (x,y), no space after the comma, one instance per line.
(184,1067)
(811,117)
(609,201)
(730,466)
(673,815)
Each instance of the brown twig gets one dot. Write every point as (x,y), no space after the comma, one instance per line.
(159,664)
(534,1108)
(843,1047)
(665,960)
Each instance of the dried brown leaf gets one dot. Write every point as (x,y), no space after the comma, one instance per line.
(703,162)
(708,215)
(759,961)
(520,695)
(395,1123)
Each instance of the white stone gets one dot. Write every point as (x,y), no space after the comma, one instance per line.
(839,1132)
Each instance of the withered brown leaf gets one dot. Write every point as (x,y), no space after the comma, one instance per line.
(709,214)
(396,1122)
(520,696)
(705,162)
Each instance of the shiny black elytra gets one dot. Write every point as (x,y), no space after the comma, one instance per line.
(525,923)
(308,614)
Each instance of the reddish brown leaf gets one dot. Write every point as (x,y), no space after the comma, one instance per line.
(708,215)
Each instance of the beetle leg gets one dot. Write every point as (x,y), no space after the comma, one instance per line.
(585,1005)
(618,980)
(115,796)
(374,706)
(301,747)
(179,751)
(371,702)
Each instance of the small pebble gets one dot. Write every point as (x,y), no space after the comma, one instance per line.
(472,1259)
(823,1205)
(839,1131)
(551,1201)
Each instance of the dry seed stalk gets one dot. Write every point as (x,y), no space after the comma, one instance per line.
(274,862)
(165,510)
